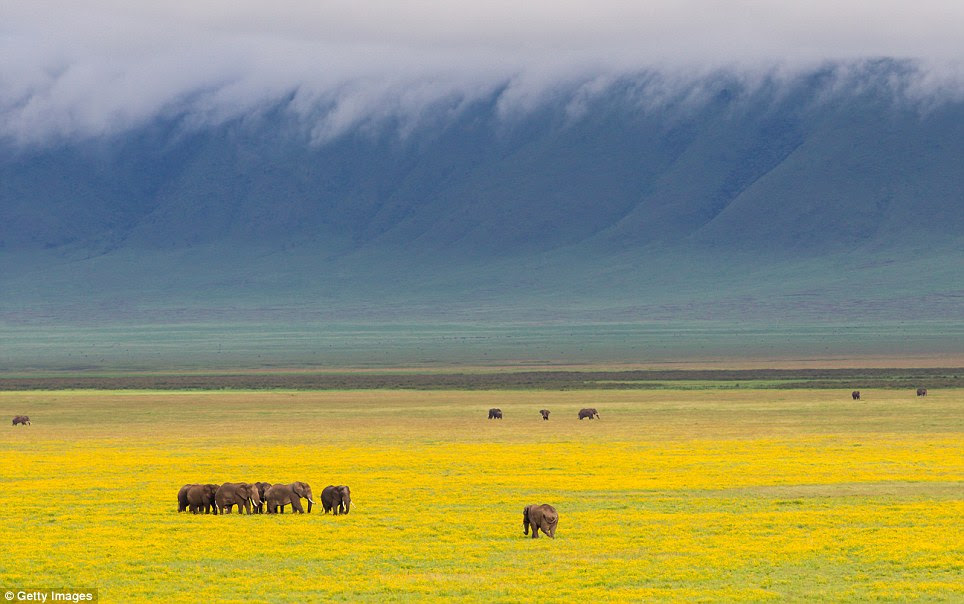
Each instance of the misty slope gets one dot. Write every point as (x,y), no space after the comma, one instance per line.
(720,194)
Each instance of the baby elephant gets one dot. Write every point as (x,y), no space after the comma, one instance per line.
(495,413)
(545,414)
(23,420)
(856,395)
(541,517)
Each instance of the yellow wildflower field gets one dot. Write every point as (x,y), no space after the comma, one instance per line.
(671,495)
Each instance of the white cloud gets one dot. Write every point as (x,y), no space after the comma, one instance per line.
(97,66)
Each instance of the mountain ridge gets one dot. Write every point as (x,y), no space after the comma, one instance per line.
(619,198)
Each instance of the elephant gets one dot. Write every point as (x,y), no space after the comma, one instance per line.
(262,489)
(856,395)
(542,517)
(241,494)
(336,498)
(495,413)
(922,392)
(545,414)
(182,497)
(280,495)
(23,420)
(202,496)
(588,413)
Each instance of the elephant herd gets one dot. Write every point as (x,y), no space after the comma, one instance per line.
(588,413)
(259,497)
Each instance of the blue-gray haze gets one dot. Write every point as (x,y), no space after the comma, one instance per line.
(741,177)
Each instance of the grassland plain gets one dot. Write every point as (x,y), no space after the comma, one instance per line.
(672,494)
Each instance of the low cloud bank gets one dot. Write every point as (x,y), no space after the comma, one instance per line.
(100,67)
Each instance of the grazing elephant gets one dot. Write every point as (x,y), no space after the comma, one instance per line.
(202,496)
(241,494)
(922,392)
(336,498)
(541,517)
(588,413)
(280,495)
(545,414)
(23,420)
(856,395)
(262,489)
(495,413)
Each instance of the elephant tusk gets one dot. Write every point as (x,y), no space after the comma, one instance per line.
(311,502)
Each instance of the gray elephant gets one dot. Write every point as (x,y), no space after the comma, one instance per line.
(542,517)
(240,494)
(855,395)
(202,496)
(280,495)
(588,413)
(262,489)
(182,497)
(545,414)
(495,413)
(920,392)
(336,498)
(23,420)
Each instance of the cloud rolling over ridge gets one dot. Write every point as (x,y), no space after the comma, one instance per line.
(98,67)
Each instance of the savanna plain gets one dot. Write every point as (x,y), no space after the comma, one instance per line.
(673,494)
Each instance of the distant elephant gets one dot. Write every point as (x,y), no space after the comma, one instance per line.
(494,414)
(588,413)
(280,495)
(202,496)
(541,517)
(240,494)
(545,414)
(336,498)
(23,420)
(262,489)
(856,395)
(922,392)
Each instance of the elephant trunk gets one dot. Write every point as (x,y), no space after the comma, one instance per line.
(310,503)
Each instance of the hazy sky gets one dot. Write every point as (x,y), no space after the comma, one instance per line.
(86,67)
